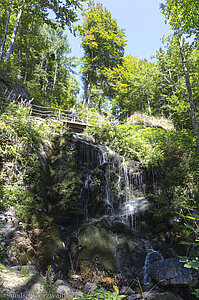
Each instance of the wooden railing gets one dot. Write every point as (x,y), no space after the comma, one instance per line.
(57,114)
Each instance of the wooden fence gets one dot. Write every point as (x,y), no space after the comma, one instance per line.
(57,114)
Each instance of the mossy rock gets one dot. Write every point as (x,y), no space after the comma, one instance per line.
(52,251)
(20,249)
(96,245)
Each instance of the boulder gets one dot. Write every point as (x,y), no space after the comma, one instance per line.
(96,243)
(20,250)
(171,271)
(65,289)
(52,251)
(155,295)
(101,246)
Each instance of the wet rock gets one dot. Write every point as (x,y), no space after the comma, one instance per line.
(155,295)
(171,272)
(96,243)
(101,247)
(53,252)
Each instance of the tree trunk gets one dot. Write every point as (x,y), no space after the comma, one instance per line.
(149,106)
(45,80)
(188,85)
(5,34)
(85,91)
(55,77)
(9,51)
(28,54)
(171,81)
(89,93)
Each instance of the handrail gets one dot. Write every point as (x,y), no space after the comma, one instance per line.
(60,114)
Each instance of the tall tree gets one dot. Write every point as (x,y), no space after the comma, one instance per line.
(133,86)
(65,13)
(183,17)
(9,50)
(103,43)
(5,32)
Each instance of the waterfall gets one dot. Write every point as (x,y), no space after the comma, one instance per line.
(84,194)
(128,211)
(122,185)
(151,257)
(126,179)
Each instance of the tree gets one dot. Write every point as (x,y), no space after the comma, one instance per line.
(173,96)
(5,32)
(65,13)
(51,77)
(9,50)
(183,17)
(103,43)
(133,86)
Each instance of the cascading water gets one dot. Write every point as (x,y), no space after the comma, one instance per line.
(84,194)
(120,183)
(126,179)
(151,257)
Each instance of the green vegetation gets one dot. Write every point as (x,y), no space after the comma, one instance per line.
(103,43)
(102,294)
(154,106)
(21,139)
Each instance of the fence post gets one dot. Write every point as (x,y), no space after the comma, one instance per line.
(59,114)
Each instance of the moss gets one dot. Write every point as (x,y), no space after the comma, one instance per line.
(53,251)
(97,243)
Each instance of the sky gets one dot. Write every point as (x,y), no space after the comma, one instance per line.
(142,21)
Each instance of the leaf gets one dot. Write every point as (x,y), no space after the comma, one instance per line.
(192,264)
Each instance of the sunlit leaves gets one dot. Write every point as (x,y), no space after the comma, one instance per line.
(183,15)
(103,43)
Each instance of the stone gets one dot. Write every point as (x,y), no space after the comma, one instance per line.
(89,287)
(126,291)
(102,247)
(171,271)
(53,252)
(96,243)
(20,250)
(64,288)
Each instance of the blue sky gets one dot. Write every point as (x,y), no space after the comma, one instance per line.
(142,21)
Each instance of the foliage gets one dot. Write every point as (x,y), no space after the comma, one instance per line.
(20,139)
(134,142)
(50,77)
(48,284)
(150,121)
(192,225)
(102,294)
(182,15)
(133,86)
(39,58)
(103,43)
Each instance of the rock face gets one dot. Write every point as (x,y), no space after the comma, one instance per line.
(171,272)
(20,250)
(102,225)
(155,295)
(109,247)
(52,251)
